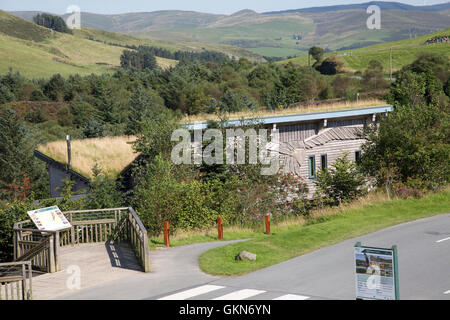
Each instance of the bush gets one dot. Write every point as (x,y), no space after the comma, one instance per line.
(331,65)
(342,182)
(11,213)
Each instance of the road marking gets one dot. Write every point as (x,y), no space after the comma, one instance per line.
(240,294)
(447,292)
(442,240)
(192,292)
(292,297)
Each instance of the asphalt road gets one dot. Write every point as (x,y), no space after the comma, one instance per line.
(328,273)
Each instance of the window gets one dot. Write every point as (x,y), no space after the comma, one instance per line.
(323,162)
(357,156)
(312,167)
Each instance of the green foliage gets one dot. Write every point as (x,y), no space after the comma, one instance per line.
(52,22)
(104,192)
(16,151)
(412,143)
(10,213)
(139,60)
(143,104)
(331,65)
(341,182)
(317,53)
(374,75)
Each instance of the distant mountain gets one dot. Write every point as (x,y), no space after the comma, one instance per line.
(384,5)
(278,34)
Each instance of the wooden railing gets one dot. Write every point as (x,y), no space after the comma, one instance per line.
(88,226)
(37,246)
(15,281)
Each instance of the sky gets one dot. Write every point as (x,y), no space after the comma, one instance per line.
(209,6)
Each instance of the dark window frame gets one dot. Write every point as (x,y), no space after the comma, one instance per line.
(322,157)
(357,156)
(312,168)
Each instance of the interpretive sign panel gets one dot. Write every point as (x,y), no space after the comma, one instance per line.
(376,273)
(49,219)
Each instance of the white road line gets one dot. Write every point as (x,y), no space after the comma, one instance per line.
(192,292)
(240,294)
(292,297)
(442,240)
(447,292)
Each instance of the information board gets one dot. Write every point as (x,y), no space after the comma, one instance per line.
(49,219)
(376,273)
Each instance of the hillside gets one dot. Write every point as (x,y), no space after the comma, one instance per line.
(35,51)
(279,34)
(403,53)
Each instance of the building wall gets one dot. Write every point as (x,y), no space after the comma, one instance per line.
(56,176)
(297,132)
(333,150)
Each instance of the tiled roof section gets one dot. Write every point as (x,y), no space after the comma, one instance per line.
(333,134)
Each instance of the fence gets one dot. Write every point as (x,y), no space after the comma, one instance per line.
(16,281)
(88,226)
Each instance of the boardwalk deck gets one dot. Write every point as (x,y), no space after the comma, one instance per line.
(98,263)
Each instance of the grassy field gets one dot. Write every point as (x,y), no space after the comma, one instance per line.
(296,237)
(403,53)
(37,52)
(112,154)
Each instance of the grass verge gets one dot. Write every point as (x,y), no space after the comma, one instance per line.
(325,228)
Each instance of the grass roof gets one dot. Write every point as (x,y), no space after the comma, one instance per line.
(112,154)
(318,107)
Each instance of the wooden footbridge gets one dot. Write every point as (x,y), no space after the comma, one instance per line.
(99,241)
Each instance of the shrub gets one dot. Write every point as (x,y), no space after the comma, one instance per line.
(11,213)
(341,182)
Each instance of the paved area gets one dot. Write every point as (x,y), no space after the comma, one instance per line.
(96,264)
(328,273)
(171,269)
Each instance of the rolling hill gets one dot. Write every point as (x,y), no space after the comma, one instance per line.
(279,34)
(403,53)
(40,52)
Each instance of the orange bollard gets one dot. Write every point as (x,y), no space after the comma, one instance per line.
(220,228)
(166,234)
(267,222)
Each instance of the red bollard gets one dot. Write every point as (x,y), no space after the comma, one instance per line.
(166,234)
(267,222)
(220,228)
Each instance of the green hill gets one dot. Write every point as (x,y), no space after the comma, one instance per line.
(278,34)
(37,52)
(403,53)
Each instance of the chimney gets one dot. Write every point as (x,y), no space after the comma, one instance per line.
(68,152)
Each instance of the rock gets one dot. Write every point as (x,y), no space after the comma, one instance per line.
(245,255)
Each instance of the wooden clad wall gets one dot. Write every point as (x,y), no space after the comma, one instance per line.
(297,132)
(347,123)
(333,150)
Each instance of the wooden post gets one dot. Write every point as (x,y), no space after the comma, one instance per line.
(57,245)
(51,255)
(166,234)
(267,222)
(220,228)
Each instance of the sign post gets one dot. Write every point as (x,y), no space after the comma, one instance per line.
(376,273)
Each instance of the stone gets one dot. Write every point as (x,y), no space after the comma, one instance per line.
(245,255)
